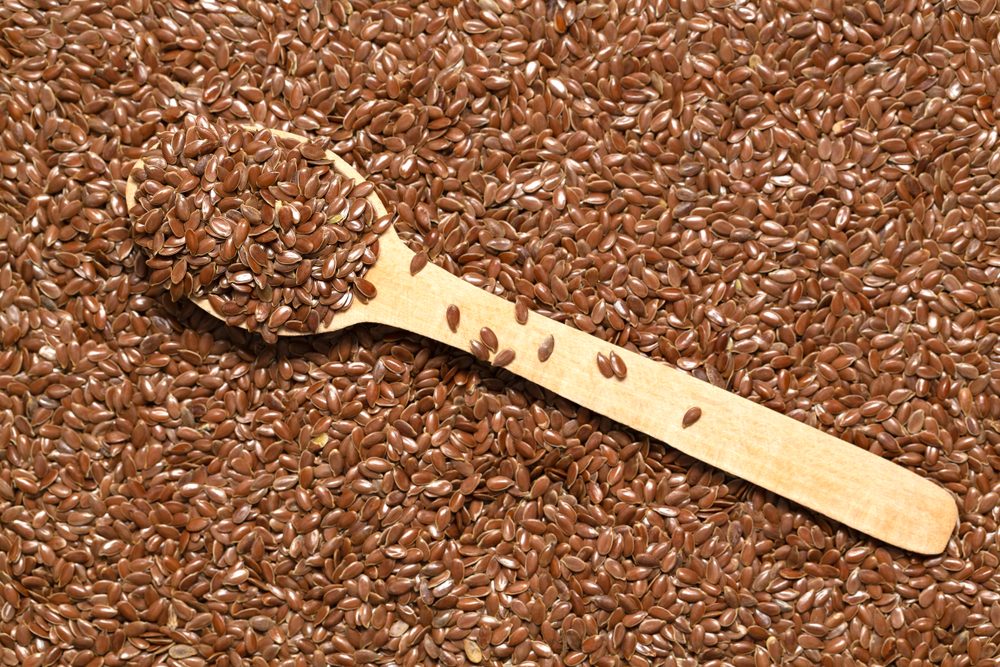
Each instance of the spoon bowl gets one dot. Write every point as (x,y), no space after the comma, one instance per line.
(392,251)
(778,453)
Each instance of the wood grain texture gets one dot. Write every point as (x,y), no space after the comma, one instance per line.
(776,452)
(803,464)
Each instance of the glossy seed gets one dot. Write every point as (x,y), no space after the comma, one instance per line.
(521,311)
(546,348)
(503,357)
(418,262)
(453,315)
(604,365)
(617,366)
(479,350)
(489,339)
(690,417)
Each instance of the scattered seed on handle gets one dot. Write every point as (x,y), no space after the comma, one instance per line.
(489,338)
(691,416)
(545,349)
(618,366)
(418,262)
(479,350)
(453,315)
(604,365)
(521,310)
(504,357)
(365,288)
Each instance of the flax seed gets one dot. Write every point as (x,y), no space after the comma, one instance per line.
(489,339)
(617,366)
(418,262)
(691,416)
(479,350)
(521,310)
(546,348)
(604,365)
(503,357)
(453,315)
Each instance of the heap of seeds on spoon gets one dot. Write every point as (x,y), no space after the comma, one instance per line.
(265,228)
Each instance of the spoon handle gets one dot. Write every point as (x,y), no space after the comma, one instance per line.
(778,453)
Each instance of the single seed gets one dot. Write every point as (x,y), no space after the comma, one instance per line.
(691,416)
(521,311)
(618,366)
(489,339)
(181,651)
(546,348)
(504,357)
(453,315)
(418,262)
(604,365)
(479,350)
(472,651)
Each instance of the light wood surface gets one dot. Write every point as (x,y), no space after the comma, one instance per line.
(803,464)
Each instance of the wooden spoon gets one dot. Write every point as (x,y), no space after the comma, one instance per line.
(816,470)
